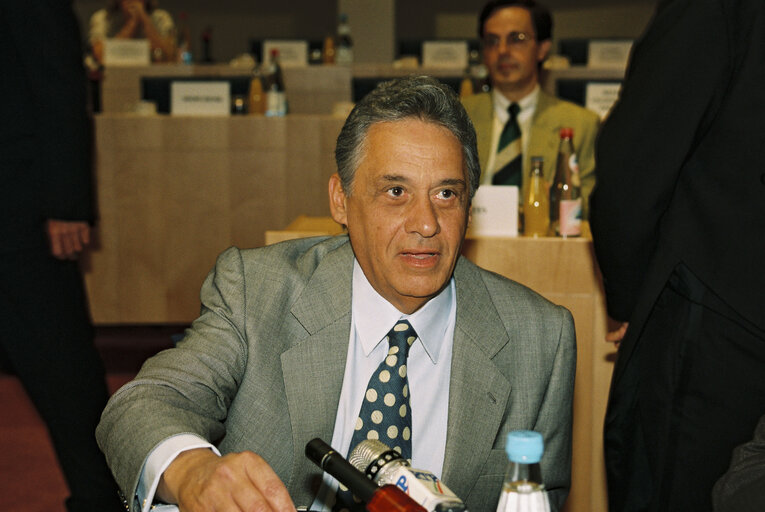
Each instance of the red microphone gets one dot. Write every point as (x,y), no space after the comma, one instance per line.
(387,498)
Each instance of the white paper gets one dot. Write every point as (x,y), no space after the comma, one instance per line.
(200,98)
(127,52)
(600,97)
(495,211)
(609,54)
(445,54)
(292,54)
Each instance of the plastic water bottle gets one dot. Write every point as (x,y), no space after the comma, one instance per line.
(523,490)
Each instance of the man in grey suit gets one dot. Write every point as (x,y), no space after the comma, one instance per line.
(289,335)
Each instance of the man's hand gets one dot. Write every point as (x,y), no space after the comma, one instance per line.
(67,238)
(133,9)
(616,336)
(198,480)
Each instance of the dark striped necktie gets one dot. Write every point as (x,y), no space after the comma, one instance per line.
(509,159)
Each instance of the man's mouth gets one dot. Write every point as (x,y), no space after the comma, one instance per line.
(420,258)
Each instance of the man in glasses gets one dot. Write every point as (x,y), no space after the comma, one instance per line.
(516,39)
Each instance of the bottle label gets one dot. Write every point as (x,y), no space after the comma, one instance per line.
(529,500)
(276,104)
(344,55)
(573,164)
(570,217)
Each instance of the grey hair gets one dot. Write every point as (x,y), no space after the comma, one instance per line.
(421,97)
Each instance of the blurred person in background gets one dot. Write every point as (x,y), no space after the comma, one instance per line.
(516,36)
(133,19)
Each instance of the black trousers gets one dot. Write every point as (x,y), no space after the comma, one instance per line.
(46,339)
(699,377)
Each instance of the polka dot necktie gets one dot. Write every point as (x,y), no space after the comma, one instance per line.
(385,412)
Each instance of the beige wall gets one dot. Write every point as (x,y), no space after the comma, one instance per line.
(235,22)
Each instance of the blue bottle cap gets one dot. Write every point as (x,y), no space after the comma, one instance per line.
(524,446)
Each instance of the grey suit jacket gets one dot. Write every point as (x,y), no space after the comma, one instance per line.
(262,367)
(550,115)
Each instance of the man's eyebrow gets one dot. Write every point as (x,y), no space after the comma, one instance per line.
(454,182)
(393,177)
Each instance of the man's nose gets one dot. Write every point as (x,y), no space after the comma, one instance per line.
(422,218)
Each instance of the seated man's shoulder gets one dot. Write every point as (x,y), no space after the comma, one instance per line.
(570,112)
(475,101)
(508,295)
(536,327)
(301,255)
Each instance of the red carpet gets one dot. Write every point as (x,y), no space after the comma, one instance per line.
(30,480)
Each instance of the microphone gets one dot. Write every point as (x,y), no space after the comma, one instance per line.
(388,467)
(388,498)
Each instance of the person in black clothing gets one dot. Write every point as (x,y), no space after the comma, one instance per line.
(46,209)
(678,222)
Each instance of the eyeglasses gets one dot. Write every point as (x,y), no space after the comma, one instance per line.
(513,39)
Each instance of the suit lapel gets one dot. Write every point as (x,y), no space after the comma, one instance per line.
(483,121)
(313,368)
(478,392)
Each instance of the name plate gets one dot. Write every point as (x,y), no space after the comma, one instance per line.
(445,54)
(292,54)
(495,211)
(609,54)
(601,96)
(200,98)
(127,52)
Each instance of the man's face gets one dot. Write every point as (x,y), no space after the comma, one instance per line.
(511,51)
(408,210)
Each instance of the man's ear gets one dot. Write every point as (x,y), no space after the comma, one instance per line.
(543,50)
(337,204)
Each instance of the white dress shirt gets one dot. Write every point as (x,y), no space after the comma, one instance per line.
(528,106)
(428,373)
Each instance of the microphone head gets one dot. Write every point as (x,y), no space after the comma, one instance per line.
(370,455)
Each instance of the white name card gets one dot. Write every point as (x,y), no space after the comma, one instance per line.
(200,98)
(127,52)
(609,54)
(495,211)
(292,54)
(445,54)
(600,97)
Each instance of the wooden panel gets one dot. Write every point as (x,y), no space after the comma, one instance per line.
(174,192)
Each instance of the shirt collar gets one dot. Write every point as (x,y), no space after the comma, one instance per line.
(373,316)
(527,104)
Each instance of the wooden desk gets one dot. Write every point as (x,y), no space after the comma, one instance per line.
(564,271)
(310,89)
(174,192)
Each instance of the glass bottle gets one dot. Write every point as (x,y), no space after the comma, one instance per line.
(276,99)
(536,204)
(344,45)
(207,45)
(183,47)
(328,50)
(523,490)
(256,100)
(565,193)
